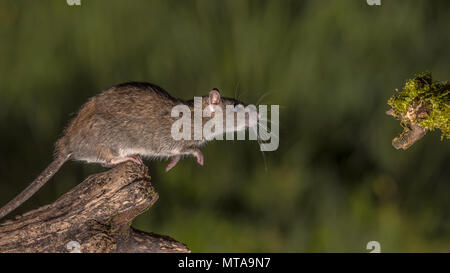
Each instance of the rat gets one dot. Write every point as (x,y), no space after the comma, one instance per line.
(123,123)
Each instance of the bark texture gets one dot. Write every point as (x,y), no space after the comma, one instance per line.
(412,132)
(95,216)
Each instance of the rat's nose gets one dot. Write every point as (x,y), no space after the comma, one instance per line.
(258,116)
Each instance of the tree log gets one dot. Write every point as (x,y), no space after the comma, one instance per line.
(95,216)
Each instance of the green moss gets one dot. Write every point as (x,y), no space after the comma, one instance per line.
(434,95)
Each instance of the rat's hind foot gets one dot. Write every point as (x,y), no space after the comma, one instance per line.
(173,161)
(137,159)
(115,161)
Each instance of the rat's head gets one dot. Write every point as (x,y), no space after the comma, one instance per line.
(240,115)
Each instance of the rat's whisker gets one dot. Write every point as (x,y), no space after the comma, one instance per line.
(262,152)
(239,95)
(262,97)
(154,139)
(266,131)
(266,120)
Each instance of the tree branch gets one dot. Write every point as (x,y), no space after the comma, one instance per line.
(421,106)
(95,216)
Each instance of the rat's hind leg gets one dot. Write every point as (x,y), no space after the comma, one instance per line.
(117,160)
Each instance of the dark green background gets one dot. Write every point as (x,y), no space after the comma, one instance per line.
(335,182)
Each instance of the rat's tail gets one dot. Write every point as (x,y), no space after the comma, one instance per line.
(35,185)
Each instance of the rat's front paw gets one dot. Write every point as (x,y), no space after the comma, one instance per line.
(198,154)
(173,161)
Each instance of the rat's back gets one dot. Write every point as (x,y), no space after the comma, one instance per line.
(127,116)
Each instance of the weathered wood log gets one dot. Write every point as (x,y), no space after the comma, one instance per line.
(95,216)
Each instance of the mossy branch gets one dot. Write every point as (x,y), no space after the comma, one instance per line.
(421,106)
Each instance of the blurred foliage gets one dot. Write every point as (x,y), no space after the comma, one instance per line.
(334,184)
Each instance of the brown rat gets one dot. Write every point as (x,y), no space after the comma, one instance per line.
(123,123)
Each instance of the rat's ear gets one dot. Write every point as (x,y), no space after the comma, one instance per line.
(214,96)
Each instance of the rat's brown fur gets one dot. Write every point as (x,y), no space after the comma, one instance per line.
(120,124)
